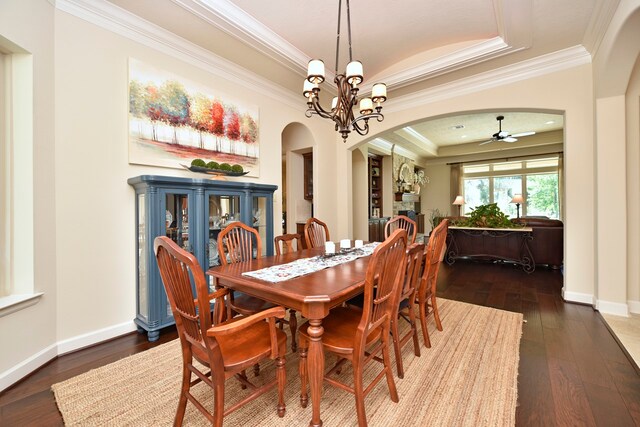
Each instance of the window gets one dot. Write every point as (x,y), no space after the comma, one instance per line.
(498,182)
(16,183)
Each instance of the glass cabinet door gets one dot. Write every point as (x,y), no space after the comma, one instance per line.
(177,219)
(259,221)
(143,258)
(221,210)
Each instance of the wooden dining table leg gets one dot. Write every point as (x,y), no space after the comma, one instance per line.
(315,368)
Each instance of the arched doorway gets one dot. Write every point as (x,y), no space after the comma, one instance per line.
(297,204)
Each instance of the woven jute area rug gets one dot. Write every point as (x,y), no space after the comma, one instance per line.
(467,378)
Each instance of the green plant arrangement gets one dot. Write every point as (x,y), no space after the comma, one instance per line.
(487,216)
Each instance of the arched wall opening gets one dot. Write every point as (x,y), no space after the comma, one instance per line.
(568,90)
(617,133)
(297,140)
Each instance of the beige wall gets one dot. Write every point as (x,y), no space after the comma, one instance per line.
(435,194)
(632,104)
(30,334)
(95,206)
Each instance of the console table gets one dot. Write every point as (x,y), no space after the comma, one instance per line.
(506,244)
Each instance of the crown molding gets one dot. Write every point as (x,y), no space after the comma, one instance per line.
(234,21)
(483,51)
(389,148)
(119,21)
(598,24)
(530,68)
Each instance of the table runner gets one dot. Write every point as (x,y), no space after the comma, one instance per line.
(300,267)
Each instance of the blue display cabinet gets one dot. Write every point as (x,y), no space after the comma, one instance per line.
(192,212)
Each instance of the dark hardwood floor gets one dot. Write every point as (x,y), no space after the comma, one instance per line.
(572,370)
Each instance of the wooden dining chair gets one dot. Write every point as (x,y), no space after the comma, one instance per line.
(237,243)
(415,254)
(224,348)
(404,222)
(285,243)
(426,293)
(316,233)
(359,335)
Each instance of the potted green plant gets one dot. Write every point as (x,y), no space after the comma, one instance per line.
(487,216)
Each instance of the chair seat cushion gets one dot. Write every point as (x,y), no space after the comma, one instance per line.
(340,330)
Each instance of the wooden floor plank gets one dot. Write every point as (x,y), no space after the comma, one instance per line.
(535,401)
(569,396)
(608,408)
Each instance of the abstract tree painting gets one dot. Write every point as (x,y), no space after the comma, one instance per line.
(173,121)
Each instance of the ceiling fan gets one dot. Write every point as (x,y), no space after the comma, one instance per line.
(503,135)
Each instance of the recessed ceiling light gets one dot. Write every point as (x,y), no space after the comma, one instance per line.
(550,122)
(463,136)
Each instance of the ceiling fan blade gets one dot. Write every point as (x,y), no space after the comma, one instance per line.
(515,135)
(510,139)
(486,142)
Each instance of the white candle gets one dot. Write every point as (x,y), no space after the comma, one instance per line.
(359,243)
(345,244)
(307,88)
(329,248)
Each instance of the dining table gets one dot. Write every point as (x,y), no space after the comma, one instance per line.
(313,295)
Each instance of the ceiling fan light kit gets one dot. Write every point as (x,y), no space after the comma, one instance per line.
(505,136)
(342,106)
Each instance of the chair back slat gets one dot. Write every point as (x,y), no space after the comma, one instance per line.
(433,258)
(415,255)
(177,267)
(405,223)
(316,233)
(385,272)
(237,242)
(285,243)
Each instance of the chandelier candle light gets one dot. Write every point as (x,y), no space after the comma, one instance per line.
(342,106)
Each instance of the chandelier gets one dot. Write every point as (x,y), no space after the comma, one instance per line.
(342,106)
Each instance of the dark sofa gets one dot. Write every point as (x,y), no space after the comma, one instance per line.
(547,245)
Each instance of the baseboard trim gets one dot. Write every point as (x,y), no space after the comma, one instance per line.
(634,306)
(23,369)
(615,308)
(578,297)
(90,338)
